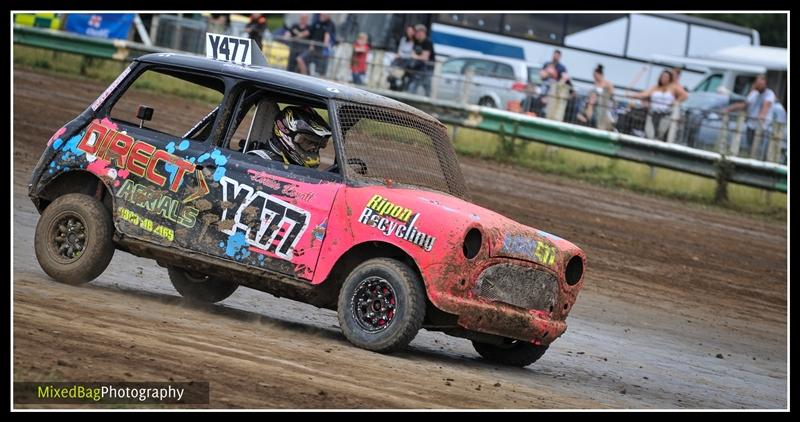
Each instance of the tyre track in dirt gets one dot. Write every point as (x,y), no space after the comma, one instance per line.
(669,286)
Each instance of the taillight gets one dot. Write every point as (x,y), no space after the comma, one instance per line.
(519,86)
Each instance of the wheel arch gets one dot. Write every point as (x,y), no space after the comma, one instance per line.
(74,181)
(358,254)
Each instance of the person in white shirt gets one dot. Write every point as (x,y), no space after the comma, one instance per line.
(661,96)
(759,111)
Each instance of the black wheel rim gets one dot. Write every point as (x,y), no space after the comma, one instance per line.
(374,304)
(68,237)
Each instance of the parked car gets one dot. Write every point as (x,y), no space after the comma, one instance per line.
(496,82)
(383,231)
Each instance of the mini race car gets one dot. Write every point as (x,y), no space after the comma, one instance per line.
(382,231)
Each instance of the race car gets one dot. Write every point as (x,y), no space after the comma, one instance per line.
(382,230)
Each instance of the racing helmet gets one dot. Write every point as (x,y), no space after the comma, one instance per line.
(299,135)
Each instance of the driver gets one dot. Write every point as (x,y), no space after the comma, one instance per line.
(298,135)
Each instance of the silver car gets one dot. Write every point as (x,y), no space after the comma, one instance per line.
(495,82)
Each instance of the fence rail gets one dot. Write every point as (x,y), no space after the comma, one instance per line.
(720,166)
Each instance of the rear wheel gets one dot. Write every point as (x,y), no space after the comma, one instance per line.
(511,352)
(381,305)
(487,102)
(73,240)
(199,287)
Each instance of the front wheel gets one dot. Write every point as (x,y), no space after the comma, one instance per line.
(511,352)
(381,305)
(200,288)
(73,239)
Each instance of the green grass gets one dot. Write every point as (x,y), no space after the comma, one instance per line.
(578,165)
(617,173)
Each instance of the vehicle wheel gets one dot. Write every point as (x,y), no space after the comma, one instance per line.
(381,305)
(487,102)
(512,353)
(73,239)
(199,287)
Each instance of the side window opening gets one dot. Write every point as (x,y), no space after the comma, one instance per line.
(194,103)
(253,125)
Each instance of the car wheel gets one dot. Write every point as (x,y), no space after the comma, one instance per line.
(73,239)
(199,287)
(381,305)
(511,352)
(487,102)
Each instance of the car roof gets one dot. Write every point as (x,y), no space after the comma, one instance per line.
(280,78)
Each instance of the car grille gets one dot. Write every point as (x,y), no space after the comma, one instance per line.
(519,286)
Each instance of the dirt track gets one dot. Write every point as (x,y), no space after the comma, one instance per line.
(669,287)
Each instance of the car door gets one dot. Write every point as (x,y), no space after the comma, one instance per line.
(451,81)
(262,213)
(148,165)
(484,81)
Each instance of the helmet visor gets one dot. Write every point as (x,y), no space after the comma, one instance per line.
(310,143)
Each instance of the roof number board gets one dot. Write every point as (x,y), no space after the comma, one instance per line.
(228,48)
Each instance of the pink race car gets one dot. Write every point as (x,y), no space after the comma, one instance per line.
(382,230)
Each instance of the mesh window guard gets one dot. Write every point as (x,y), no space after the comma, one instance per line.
(399,146)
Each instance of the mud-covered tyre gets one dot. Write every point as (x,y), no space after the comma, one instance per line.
(381,305)
(73,239)
(513,353)
(200,288)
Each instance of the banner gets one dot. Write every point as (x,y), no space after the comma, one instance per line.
(101,25)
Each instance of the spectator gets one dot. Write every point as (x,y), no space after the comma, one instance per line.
(398,76)
(322,32)
(676,76)
(406,46)
(661,96)
(601,84)
(219,23)
(255,28)
(423,59)
(297,35)
(549,76)
(358,63)
(561,70)
(759,106)
(588,115)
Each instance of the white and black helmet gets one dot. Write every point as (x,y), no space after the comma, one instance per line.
(299,135)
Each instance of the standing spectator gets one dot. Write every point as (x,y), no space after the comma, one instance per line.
(322,33)
(358,64)
(406,46)
(297,35)
(255,28)
(601,84)
(601,87)
(676,76)
(423,59)
(759,111)
(561,70)
(661,96)
(398,76)
(219,23)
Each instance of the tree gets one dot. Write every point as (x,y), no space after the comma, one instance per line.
(771,26)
